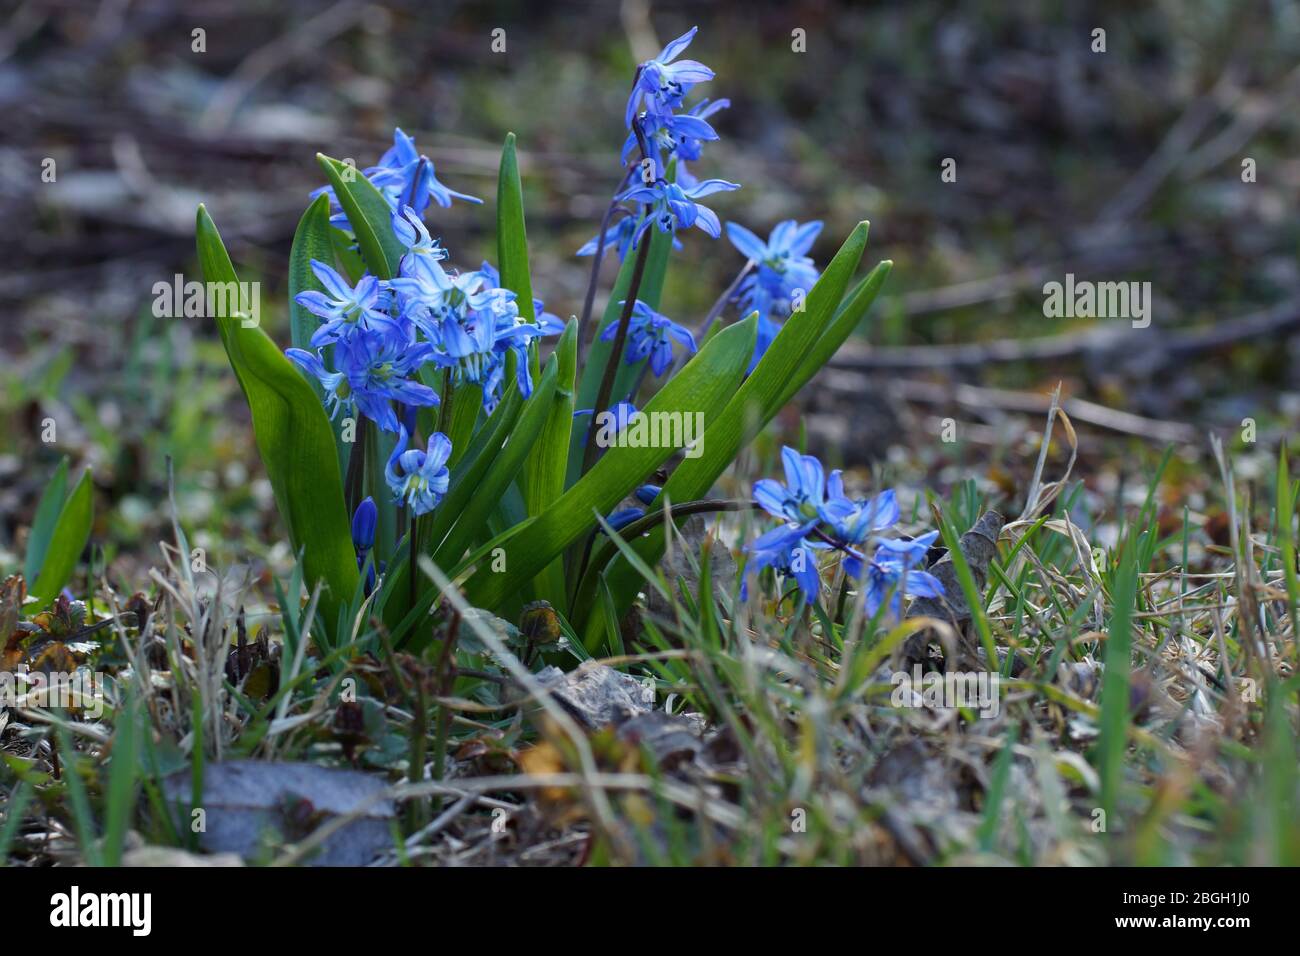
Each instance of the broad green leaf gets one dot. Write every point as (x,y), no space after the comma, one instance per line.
(512,242)
(472,523)
(543,478)
(67,542)
(47,517)
(702,386)
(467,476)
(847,319)
(293,437)
(777,375)
(466,404)
(311,240)
(369,215)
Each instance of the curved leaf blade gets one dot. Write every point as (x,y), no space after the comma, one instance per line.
(67,542)
(46,520)
(702,386)
(369,215)
(293,438)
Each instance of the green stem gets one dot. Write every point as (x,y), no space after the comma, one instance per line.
(355,483)
(446,679)
(590,453)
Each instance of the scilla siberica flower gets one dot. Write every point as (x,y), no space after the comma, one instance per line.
(663,83)
(783,271)
(379,364)
(403,174)
(671,207)
(419,478)
(364,520)
(342,306)
(404,177)
(652,334)
(618,237)
(338,393)
(415,239)
(818,516)
(382,332)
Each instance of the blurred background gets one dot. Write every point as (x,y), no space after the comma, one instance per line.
(1169,158)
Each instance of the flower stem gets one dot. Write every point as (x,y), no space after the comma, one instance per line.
(616,352)
(413,555)
(355,483)
(596,263)
(445,680)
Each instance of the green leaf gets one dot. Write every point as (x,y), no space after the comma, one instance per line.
(1115,699)
(788,363)
(47,516)
(67,542)
(467,402)
(472,523)
(542,481)
(512,242)
(702,386)
(311,240)
(293,437)
(369,215)
(846,321)
(122,786)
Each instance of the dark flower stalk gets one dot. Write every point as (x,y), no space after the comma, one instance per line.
(616,352)
(597,261)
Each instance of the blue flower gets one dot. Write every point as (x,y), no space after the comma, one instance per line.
(622,412)
(364,520)
(853,522)
(673,208)
(787,550)
(783,266)
(669,133)
(894,571)
(783,271)
(344,307)
(513,334)
(689,148)
(817,516)
(623,517)
(618,236)
(652,334)
(469,350)
(405,176)
(663,83)
(419,478)
(415,239)
(647,494)
(378,363)
(338,393)
(433,298)
(548,322)
(800,500)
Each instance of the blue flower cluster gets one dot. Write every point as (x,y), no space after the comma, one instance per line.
(651,334)
(662,131)
(405,177)
(377,335)
(783,274)
(817,516)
